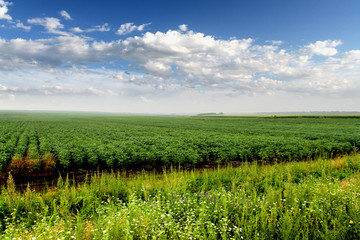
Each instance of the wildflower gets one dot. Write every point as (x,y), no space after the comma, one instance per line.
(351,222)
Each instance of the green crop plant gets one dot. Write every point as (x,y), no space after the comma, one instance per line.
(91,142)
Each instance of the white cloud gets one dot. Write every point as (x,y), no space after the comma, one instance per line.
(77,30)
(352,58)
(98,28)
(125,77)
(46,53)
(183,27)
(157,68)
(128,28)
(21,25)
(180,66)
(188,60)
(13,23)
(53,90)
(65,15)
(41,90)
(4,9)
(324,48)
(52,25)
(274,42)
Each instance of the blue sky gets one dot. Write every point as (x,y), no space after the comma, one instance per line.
(180,57)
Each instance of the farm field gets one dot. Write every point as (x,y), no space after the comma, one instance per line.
(45,143)
(270,195)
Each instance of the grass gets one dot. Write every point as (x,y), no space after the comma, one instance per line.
(317,199)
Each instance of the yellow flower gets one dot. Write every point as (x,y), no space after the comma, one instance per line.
(351,222)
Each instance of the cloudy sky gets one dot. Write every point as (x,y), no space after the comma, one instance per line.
(180,56)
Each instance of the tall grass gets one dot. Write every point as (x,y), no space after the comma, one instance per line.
(299,200)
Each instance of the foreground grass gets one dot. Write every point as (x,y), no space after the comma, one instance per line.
(299,200)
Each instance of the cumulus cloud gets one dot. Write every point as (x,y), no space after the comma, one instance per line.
(179,64)
(77,30)
(13,23)
(125,77)
(4,9)
(65,15)
(324,48)
(128,28)
(52,25)
(19,24)
(46,53)
(183,27)
(190,60)
(98,28)
(157,68)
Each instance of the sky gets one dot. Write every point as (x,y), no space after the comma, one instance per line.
(170,56)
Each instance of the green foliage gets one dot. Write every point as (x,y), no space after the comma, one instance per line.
(297,200)
(127,142)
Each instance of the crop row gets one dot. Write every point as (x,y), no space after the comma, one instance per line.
(91,142)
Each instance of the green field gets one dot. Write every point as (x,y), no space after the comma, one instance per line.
(45,143)
(271,195)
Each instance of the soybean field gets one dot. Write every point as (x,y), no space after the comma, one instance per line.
(44,143)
